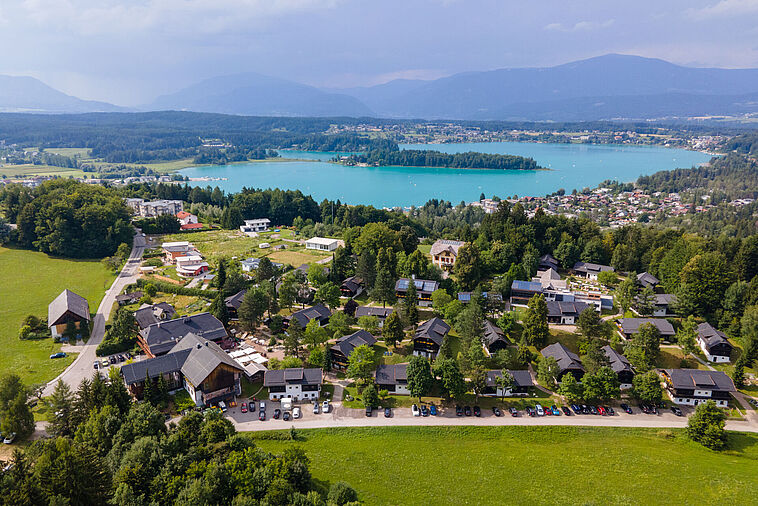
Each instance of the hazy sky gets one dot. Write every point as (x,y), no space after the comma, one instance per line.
(129,51)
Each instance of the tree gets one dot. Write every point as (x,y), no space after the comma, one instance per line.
(288,292)
(467,267)
(647,387)
(590,325)
(316,275)
(626,292)
(317,357)
(643,349)
(252,309)
(702,284)
(370,396)
(440,298)
(17,417)
(505,382)
(234,283)
(384,287)
(340,493)
(738,375)
(220,280)
(607,278)
(265,270)
(410,305)
(339,324)
(706,426)
(570,388)
(361,364)
(10,387)
(646,301)
(408,239)
(392,331)
(601,385)
(452,382)
(294,337)
(536,330)
(548,371)
(62,407)
(420,379)
(567,253)
(350,307)
(315,334)
(342,265)
(478,381)
(366,267)
(369,323)
(219,310)
(686,336)
(329,294)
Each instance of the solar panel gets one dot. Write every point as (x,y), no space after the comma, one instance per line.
(419,284)
(293,374)
(402,284)
(429,286)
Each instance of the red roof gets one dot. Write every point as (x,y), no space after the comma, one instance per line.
(191,226)
(182,214)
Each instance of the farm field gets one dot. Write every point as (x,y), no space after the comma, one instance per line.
(30,281)
(528,465)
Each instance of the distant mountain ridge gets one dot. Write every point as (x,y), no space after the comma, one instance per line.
(27,94)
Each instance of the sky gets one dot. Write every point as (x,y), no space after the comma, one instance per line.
(130,51)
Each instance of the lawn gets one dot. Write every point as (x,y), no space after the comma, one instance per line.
(31,280)
(295,258)
(528,465)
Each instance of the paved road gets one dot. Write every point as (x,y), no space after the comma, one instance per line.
(82,367)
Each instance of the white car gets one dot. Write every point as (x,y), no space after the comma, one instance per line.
(9,439)
(262,406)
(325,406)
(296,413)
(540,411)
(315,408)
(415,410)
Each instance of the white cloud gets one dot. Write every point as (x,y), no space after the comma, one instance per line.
(580,26)
(725,8)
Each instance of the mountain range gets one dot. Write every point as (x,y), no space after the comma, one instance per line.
(605,87)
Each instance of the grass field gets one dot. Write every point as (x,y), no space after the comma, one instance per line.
(18,171)
(528,465)
(30,281)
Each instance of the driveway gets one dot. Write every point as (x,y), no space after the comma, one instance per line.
(82,366)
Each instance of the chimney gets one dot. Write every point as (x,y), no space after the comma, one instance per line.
(199,346)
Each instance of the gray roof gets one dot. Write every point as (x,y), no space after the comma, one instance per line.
(521,378)
(424,286)
(391,374)
(148,315)
(293,376)
(129,297)
(632,325)
(710,336)
(647,279)
(379,312)
(445,245)
(235,301)
(548,260)
(162,336)
(556,308)
(318,311)
(618,361)
(353,283)
(346,344)
(700,379)
(435,329)
(665,299)
(493,333)
(565,358)
(589,267)
(136,371)
(526,286)
(67,301)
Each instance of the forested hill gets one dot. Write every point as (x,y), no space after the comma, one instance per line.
(430,158)
(747,144)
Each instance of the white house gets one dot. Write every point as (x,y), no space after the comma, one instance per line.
(522,382)
(191,266)
(252,227)
(297,383)
(714,343)
(322,244)
(695,386)
(393,378)
(186,218)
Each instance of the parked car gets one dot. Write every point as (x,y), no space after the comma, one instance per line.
(458,410)
(576,409)
(467,410)
(627,408)
(644,408)
(295,412)
(315,408)
(369,409)
(415,411)
(262,405)
(530,411)
(601,410)
(243,407)
(97,364)
(585,409)
(593,410)
(539,410)
(477,411)
(285,416)
(112,359)
(676,411)
(60,354)
(277,413)
(261,416)
(222,406)
(105,362)
(9,439)
(325,406)
(653,409)
(555,410)
(609,410)
(514,412)
(433,410)
(121,358)
(566,410)
(424,410)
(387,413)
(496,411)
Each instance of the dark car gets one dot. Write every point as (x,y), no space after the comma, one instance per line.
(566,411)
(424,411)
(387,413)
(369,409)
(644,408)
(112,359)
(676,411)
(467,410)
(261,415)
(496,411)
(278,413)
(653,409)
(585,409)
(530,411)
(609,410)
(286,416)
(514,412)
(121,358)
(458,410)
(626,408)
(593,410)
(477,411)
(576,409)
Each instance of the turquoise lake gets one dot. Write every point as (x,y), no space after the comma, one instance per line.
(572,166)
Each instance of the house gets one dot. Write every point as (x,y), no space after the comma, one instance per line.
(129,298)
(199,366)
(620,366)
(568,362)
(66,308)
(155,207)
(393,378)
(424,288)
(177,249)
(695,386)
(564,313)
(547,262)
(191,226)
(252,227)
(251,264)
(647,280)
(319,312)
(664,305)
(186,219)
(714,343)
(233,303)
(523,291)
(429,337)
(522,383)
(630,326)
(494,338)
(157,339)
(590,270)
(322,244)
(493,299)
(444,252)
(381,313)
(191,266)
(341,350)
(551,280)
(352,287)
(297,383)
(148,315)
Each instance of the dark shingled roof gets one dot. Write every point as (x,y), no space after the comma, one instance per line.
(67,301)
(647,279)
(493,333)
(632,325)
(162,336)
(566,359)
(235,301)
(665,299)
(148,315)
(353,283)
(136,371)
(688,379)
(589,267)
(435,329)
(710,336)
(556,308)
(293,376)
(522,378)
(346,344)
(618,361)
(391,374)
(318,311)
(379,312)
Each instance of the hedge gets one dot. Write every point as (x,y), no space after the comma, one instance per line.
(164,287)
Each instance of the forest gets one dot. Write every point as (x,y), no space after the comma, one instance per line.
(431,158)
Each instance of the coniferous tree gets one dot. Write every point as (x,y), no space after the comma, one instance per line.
(410,303)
